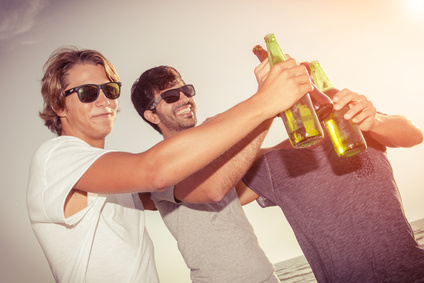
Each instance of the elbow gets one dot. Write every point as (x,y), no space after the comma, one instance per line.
(417,138)
(154,172)
(206,194)
(161,184)
(159,181)
(216,196)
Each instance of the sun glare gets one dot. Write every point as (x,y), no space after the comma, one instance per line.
(417,6)
(415,11)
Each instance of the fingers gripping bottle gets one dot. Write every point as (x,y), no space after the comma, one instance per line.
(323,105)
(345,135)
(300,120)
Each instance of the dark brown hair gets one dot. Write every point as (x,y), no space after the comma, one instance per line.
(148,84)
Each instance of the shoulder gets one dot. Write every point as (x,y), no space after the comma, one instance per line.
(62,141)
(65,146)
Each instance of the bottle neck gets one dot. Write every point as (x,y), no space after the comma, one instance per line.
(331,91)
(276,55)
(320,78)
(260,53)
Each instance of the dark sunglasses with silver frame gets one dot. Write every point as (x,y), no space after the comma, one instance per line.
(173,95)
(90,92)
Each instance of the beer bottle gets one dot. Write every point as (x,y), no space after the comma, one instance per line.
(323,105)
(300,120)
(345,135)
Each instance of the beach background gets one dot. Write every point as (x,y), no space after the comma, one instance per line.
(372,47)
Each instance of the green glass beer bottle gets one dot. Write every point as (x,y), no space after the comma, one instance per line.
(301,122)
(323,105)
(345,135)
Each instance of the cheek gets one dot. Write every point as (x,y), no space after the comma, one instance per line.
(114,104)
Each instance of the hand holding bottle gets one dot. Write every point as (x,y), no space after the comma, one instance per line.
(344,133)
(361,110)
(323,105)
(284,84)
(300,120)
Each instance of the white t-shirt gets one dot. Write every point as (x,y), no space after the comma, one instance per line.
(106,241)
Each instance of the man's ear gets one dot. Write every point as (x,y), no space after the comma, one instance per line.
(151,117)
(61,112)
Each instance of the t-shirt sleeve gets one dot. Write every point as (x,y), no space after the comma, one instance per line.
(166,195)
(61,164)
(258,178)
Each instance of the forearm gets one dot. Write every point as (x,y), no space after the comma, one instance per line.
(213,182)
(396,131)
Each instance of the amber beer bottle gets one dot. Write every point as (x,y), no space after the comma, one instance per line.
(323,105)
(300,120)
(345,135)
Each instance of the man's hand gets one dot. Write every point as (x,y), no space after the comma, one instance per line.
(361,110)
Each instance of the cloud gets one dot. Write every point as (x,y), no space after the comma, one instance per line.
(17,16)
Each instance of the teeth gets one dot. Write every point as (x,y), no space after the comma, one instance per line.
(184,111)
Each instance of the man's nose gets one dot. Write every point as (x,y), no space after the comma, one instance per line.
(102,100)
(184,97)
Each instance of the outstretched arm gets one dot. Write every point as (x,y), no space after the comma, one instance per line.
(174,159)
(213,182)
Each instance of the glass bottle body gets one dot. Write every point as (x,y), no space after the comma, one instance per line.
(301,123)
(346,137)
(300,120)
(322,104)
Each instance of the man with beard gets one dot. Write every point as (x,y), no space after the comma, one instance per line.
(203,212)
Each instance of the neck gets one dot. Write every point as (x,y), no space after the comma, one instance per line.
(98,143)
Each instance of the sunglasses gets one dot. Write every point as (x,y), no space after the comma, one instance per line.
(90,92)
(173,95)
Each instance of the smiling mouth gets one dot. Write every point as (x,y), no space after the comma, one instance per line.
(184,110)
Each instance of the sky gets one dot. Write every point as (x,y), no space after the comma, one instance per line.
(371,47)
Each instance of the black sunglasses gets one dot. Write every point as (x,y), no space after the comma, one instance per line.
(90,92)
(173,95)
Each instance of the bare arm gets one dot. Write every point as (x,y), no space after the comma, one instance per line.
(245,194)
(389,130)
(396,131)
(172,160)
(213,182)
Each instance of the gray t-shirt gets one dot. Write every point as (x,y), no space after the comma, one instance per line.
(347,214)
(216,240)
